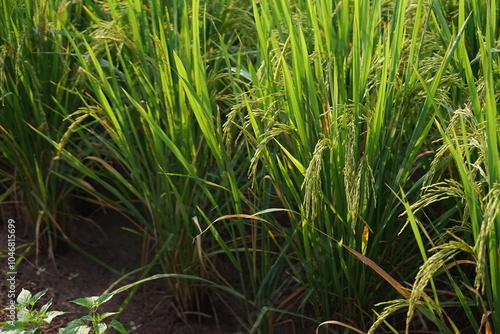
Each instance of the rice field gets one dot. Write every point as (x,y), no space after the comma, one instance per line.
(340,157)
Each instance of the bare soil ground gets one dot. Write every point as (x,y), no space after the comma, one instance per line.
(73,275)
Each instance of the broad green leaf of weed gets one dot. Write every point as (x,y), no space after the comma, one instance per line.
(118,326)
(77,326)
(88,302)
(24,297)
(49,316)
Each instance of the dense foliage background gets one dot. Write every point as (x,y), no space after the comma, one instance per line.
(342,157)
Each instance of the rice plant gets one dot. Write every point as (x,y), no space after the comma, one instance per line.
(469,145)
(159,155)
(338,120)
(35,96)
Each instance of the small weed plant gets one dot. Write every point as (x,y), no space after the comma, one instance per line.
(30,320)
